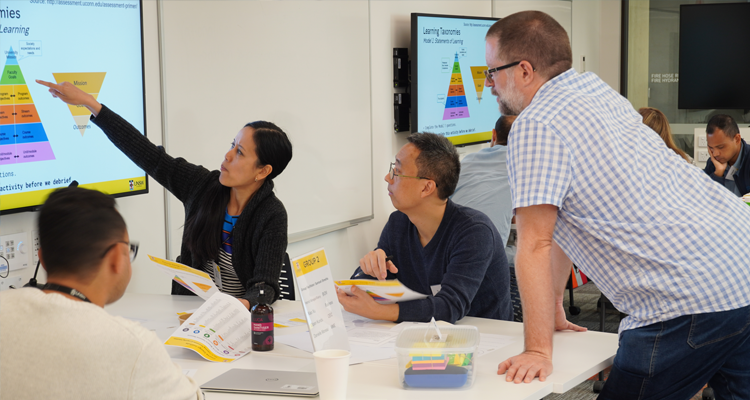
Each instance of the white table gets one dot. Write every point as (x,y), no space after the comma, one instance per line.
(577,356)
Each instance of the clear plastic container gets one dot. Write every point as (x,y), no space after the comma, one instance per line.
(427,362)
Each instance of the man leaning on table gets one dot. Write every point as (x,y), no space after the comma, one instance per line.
(58,342)
(451,253)
(662,241)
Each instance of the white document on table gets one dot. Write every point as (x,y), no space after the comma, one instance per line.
(220,330)
(360,353)
(489,342)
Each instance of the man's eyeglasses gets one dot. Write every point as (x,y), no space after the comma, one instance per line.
(392,173)
(488,72)
(133,249)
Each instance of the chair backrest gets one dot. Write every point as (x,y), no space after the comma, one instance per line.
(286,280)
(515,297)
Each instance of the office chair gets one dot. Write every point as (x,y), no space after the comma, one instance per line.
(515,297)
(286,280)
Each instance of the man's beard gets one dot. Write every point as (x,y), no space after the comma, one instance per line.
(511,100)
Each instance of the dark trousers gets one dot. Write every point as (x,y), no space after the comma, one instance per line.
(674,359)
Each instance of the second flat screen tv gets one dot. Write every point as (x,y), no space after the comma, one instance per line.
(447,85)
(714,58)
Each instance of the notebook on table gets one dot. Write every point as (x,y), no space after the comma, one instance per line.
(254,381)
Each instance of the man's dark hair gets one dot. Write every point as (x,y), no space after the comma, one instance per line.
(725,123)
(76,226)
(502,128)
(437,160)
(535,37)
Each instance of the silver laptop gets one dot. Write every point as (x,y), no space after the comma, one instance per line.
(258,381)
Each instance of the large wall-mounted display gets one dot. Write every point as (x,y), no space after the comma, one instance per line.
(45,144)
(447,84)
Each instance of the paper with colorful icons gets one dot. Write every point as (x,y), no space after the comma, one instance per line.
(384,292)
(191,279)
(220,330)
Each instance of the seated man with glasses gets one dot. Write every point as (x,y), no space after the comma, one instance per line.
(57,341)
(451,253)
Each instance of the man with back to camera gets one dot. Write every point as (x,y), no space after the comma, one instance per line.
(435,246)
(483,182)
(729,153)
(58,342)
(661,240)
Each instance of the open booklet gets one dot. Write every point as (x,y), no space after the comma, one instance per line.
(220,330)
(384,292)
(190,278)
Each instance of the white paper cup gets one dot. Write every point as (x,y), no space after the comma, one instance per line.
(332,368)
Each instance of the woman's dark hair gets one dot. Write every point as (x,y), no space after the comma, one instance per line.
(272,146)
(203,229)
(76,227)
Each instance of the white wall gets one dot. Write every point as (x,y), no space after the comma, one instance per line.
(595,32)
(596,35)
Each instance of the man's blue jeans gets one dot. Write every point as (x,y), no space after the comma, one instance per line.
(674,359)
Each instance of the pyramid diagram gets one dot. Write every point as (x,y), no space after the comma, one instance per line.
(477,73)
(89,82)
(22,136)
(455,103)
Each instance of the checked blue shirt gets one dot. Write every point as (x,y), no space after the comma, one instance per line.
(658,236)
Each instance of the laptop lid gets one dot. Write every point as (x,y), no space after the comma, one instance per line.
(256,381)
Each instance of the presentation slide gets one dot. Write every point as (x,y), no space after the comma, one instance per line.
(44,143)
(451,98)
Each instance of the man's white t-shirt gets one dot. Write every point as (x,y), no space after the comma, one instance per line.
(53,347)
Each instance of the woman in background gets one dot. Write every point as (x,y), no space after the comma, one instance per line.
(235,226)
(657,121)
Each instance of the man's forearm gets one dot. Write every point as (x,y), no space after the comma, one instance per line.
(561,271)
(535,281)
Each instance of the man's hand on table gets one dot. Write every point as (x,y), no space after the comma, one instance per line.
(562,323)
(528,365)
(525,367)
(363,304)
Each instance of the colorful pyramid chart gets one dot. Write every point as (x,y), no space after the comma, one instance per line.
(477,73)
(22,136)
(89,82)
(455,103)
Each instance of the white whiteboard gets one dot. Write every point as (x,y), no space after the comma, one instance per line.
(300,64)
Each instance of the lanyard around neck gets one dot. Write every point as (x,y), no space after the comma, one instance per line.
(66,290)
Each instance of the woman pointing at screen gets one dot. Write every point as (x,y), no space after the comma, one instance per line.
(235,227)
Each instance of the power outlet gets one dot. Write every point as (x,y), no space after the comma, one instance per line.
(15,249)
(702,141)
(8,282)
(702,156)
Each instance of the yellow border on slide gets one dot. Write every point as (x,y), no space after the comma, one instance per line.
(37,197)
(471,138)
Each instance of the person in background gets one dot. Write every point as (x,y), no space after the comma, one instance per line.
(662,241)
(729,153)
(235,226)
(58,342)
(452,254)
(483,182)
(657,121)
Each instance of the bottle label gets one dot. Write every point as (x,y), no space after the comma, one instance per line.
(262,329)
